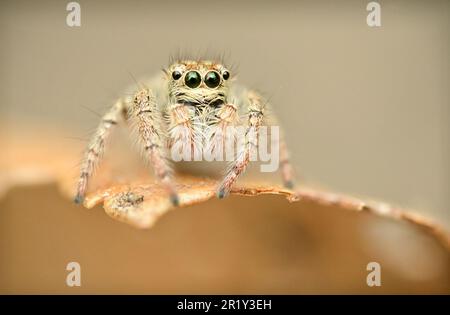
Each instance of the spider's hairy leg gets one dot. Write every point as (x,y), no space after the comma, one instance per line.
(287,171)
(96,147)
(150,129)
(257,116)
(254,116)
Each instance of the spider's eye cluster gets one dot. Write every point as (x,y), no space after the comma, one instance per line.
(193,78)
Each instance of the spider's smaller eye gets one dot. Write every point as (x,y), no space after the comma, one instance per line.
(212,79)
(192,79)
(226,75)
(176,75)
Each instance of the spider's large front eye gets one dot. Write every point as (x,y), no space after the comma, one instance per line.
(212,79)
(192,79)
(176,75)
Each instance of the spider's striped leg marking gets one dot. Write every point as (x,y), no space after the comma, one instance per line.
(255,117)
(96,147)
(149,122)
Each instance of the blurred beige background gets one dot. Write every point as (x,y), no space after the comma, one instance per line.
(366,109)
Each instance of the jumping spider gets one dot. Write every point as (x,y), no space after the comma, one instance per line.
(189,92)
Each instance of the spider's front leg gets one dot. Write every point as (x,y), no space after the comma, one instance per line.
(255,115)
(255,118)
(96,147)
(151,133)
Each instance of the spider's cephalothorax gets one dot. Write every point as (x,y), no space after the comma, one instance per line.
(191,97)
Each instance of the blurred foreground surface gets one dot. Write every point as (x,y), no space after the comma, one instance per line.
(239,245)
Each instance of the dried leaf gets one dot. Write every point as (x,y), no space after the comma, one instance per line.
(141,202)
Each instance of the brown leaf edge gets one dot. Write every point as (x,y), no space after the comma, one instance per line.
(142,204)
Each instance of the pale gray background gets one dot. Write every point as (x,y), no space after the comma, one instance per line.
(366,109)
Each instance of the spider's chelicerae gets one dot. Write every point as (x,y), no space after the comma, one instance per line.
(194,95)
